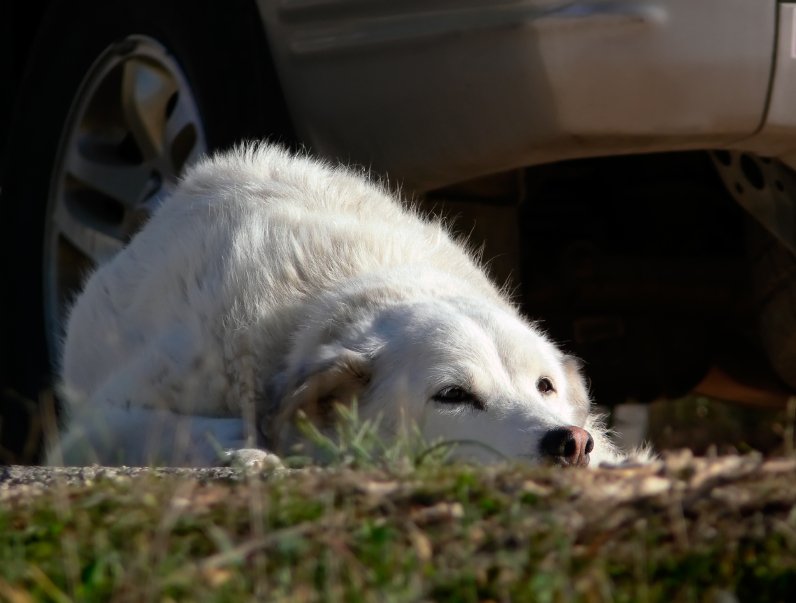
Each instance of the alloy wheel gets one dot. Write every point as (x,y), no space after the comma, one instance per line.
(132,129)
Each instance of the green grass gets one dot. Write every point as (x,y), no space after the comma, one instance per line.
(679,531)
(394,524)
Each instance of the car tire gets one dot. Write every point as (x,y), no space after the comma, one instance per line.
(774,276)
(97,67)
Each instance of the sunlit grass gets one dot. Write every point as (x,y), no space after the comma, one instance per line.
(396,524)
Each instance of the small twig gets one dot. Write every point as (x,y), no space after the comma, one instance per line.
(242,551)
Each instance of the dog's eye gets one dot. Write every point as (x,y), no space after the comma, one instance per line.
(545,386)
(458,395)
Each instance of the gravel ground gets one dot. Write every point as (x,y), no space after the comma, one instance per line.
(677,472)
(22,479)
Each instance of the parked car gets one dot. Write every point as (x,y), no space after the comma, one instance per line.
(628,164)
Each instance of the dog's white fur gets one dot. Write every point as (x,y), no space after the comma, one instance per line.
(269,283)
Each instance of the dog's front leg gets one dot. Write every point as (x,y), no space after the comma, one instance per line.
(108,435)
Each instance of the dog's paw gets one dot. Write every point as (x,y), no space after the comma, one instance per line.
(252,458)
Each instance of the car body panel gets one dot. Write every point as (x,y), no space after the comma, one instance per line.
(777,137)
(439,91)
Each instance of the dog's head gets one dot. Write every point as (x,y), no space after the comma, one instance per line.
(460,371)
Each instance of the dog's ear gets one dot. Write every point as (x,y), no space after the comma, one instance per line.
(577,388)
(321,386)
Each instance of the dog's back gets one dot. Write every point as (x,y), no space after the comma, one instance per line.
(245,234)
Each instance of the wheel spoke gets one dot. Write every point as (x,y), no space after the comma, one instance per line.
(96,245)
(124,183)
(184,138)
(146,90)
(149,205)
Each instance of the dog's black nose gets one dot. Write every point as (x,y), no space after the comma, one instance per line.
(567,446)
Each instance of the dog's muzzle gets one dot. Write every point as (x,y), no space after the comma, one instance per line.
(567,446)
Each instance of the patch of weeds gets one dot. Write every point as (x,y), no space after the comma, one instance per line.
(358,443)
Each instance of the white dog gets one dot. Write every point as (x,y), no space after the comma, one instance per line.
(270,283)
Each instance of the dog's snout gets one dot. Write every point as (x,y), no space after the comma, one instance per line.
(567,446)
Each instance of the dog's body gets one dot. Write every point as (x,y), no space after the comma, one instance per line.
(269,283)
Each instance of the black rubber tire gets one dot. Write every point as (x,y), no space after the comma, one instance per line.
(774,276)
(221,48)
